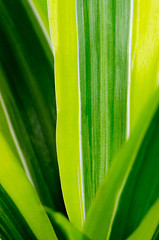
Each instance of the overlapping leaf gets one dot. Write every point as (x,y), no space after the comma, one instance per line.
(21,213)
(27,90)
(64,36)
(41,8)
(130,188)
(63,228)
(92,119)
(102,86)
(4,129)
(103,39)
(148,228)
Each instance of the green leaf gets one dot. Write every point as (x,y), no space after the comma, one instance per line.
(64,36)
(63,228)
(148,225)
(156,234)
(141,188)
(12,223)
(127,193)
(27,93)
(40,7)
(103,38)
(4,129)
(20,207)
(144,55)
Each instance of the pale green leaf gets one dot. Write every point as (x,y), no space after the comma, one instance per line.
(62,14)
(16,185)
(144,55)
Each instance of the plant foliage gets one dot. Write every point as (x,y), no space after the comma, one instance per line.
(79,114)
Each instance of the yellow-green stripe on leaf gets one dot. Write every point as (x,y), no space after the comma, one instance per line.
(144,55)
(64,35)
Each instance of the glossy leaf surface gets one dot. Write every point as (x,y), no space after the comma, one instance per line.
(27,90)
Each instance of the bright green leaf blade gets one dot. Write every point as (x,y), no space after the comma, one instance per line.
(27,93)
(103,38)
(105,206)
(63,228)
(62,15)
(4,129)
(12,223)
(144,55)
(148,225)
(15,183)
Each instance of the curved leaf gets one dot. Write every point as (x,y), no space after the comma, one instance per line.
(141,188)
(4,129)
(156,234)
(63,228)
(27,93)
(12,222)
(16,187)
(148,225)
(64,35)
(114,206)
(41,8)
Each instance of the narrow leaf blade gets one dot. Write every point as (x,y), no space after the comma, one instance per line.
(64,35)
(106,205)
(27,92)
(63,228)
(15,183)
(148,225)
(40,6)
(4,129)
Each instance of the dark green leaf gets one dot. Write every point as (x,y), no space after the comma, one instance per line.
(141,189)
(130,187)
(27,90)
(156,234)
(63,228)
(147,229)
(11,220)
